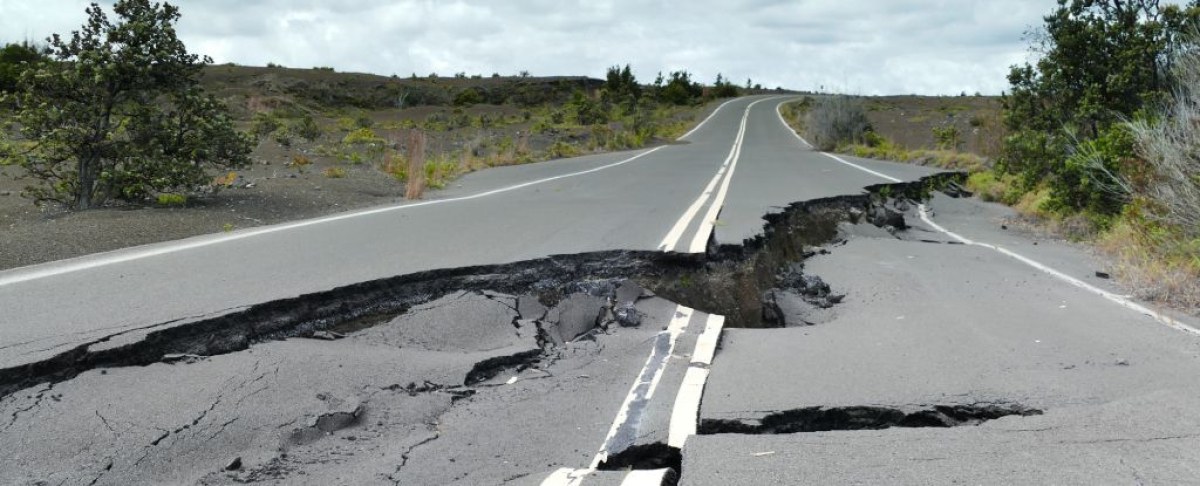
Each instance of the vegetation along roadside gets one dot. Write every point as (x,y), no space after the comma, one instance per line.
(1096,141)
(163,144)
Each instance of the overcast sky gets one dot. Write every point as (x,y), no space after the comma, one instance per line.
(857,46)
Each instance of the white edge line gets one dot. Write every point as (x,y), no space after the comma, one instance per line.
(645,477)
(779,111)
(18,276)
(705,120)
(680,320)
(685,415)
(1117,299)
(33,272)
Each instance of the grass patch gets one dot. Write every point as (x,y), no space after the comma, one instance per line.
(171,200)
(1158,262)
(334,172)
(879,147)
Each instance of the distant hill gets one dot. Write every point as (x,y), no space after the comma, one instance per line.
(321,89)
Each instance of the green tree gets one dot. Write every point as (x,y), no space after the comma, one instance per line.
(14,60)
(723,88)
(1101,62)
(468,97)
(620,86)
(680,90)
(120,114)
(587,111)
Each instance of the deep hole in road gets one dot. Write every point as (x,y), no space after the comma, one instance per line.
(655,455)
(824,419)
(759,283)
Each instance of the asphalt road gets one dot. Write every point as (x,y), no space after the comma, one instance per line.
(594,204)
(1048,374)
(929,324)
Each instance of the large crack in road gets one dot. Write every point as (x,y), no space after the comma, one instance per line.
(373,342)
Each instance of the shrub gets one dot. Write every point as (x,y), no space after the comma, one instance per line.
(836,120)
(1171,182)
(561,150)
(282,136)
(1089,179)
(439,172)
(680,90)
(993,187)
(723,88)
(415,185)
(334,172)
(346,124)
(264,123)
(307,128)
(947,137)
(586,110)
(362,136)
(468,97)
(300,162)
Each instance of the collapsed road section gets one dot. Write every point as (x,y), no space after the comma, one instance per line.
(416,379)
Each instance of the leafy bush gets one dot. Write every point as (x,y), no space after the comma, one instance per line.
(836,120)
(993,187)
(586,110)
(468,97)
(307,128)
(264,123)
(561,149)
(282,136)
(947,137)
(1089,180)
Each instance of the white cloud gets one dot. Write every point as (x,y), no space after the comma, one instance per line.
(864,46)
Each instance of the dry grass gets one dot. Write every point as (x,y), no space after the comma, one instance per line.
(1162,269)
(833,121)
(415,187)
(944,159)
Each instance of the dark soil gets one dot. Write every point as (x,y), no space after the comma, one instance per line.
(910,120)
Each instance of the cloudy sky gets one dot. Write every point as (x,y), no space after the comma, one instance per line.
(857,46)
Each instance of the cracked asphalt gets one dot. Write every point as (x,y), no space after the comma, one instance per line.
(512,331)
(927,323)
